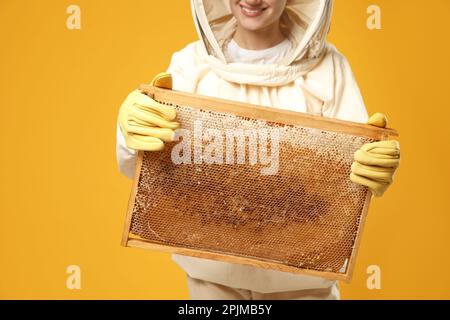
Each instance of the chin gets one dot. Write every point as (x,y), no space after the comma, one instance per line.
(252,26)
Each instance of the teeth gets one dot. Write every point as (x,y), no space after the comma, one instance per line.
(251,11)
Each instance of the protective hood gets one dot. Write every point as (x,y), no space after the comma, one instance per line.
(305,22)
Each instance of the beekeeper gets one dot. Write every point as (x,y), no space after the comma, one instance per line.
(271,53)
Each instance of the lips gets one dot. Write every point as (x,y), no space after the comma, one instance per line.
(251,12)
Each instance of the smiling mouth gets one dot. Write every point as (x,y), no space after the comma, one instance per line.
(252,12)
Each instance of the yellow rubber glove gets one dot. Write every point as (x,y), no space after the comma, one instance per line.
(145,123)
(375,163)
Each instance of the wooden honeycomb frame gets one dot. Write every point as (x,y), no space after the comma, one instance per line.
(272,115)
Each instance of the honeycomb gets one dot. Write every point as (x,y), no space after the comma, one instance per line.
(305,216)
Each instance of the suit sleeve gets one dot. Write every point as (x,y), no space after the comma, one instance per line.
(126,157)
(347,103)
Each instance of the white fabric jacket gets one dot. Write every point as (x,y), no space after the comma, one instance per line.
(312,78)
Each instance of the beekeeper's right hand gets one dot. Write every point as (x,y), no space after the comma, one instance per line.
(145,123)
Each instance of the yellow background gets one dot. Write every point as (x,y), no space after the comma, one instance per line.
(63,200)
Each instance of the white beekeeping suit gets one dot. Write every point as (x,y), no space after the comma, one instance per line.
(311,76)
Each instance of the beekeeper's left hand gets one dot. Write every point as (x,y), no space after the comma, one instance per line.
(375,163)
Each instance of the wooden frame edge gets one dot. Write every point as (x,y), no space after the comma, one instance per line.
(357,243)
(132,199)
(138,243)
(270,114)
